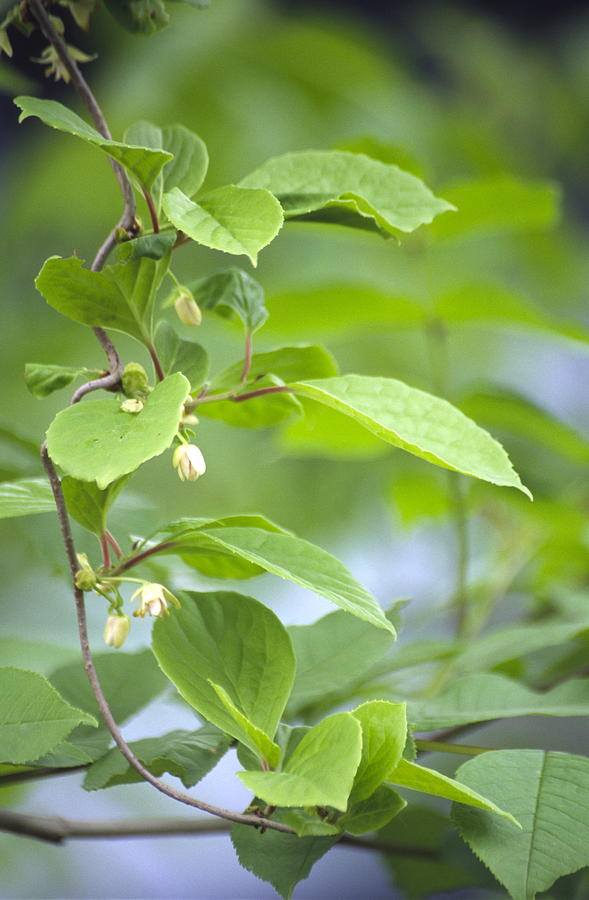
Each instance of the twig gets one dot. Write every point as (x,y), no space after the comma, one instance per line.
(244,819)
(247,358)
(57,830)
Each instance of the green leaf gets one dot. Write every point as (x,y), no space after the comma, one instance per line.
(281,859)
(295,560)
(548,792)
(418,495)
(232,292)
(143,163)
(190,161)
(288,363)
(34,718)
(237,643)
(324,432)
(267,749)
(81,439)
(374,812)
(332,655)
(479,698)
(119,297)
(512,413)
(257,412)
(420,423)
(384,731)
(516,641)
(25,497)
(423,876)
(210,560)
(410,775)
(154,246)
(231,219)
(320,771)
(180,355)
(189,755)
(499,203)
(307,822)
(42,379)
(87,504)
(129,680)
(311,181)
(487,303)
(16,652)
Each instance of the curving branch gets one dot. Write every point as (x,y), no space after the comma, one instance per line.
(107,382)
(241,818)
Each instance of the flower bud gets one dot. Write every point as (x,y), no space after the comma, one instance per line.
(132,405)
(187,309)
(134,379)
(116,630)
(154,600)
(189,462)
(85,578)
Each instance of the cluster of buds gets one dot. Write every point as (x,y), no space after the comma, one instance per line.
(154,600)
(86,578)
(189,462)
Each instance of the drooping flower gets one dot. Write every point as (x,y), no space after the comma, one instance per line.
(154,600)
(187,309)
(116,630)
(189,462)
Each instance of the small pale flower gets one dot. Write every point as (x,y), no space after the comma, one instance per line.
(116,630)
(154,600)
(187,309)
(189,462)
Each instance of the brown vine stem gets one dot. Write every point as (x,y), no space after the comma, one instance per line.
(242,818)
(108,381)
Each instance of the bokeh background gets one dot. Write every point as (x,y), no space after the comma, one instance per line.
(452,93)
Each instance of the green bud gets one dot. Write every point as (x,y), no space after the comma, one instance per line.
(85,578)
(134,379)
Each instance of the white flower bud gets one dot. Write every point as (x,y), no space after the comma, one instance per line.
(189,462)
(187,309)
(154,600)
(116,630)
